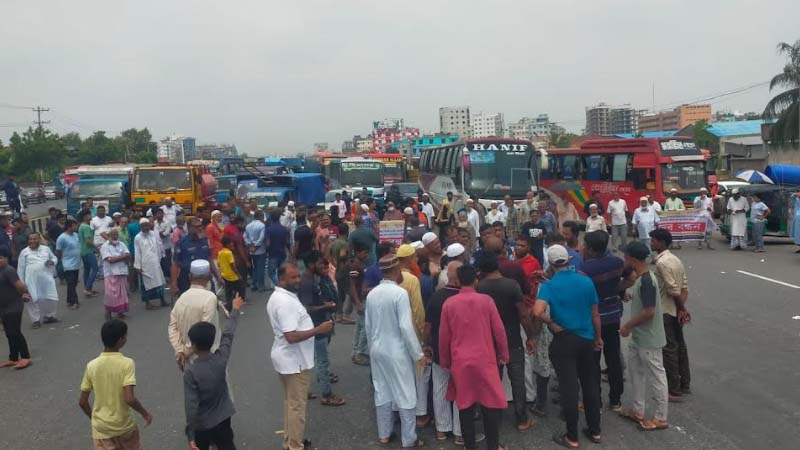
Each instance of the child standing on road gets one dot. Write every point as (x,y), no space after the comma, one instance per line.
(112,377)
(208,404)
(234,284)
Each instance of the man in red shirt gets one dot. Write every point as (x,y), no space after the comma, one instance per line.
(235,231)
(470,323)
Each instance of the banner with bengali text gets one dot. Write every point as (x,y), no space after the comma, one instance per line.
(392,231)
(685,225)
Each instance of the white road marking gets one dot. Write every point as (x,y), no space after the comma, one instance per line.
(768,279)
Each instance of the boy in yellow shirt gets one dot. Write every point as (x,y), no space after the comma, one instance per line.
(112,377)
(227,266)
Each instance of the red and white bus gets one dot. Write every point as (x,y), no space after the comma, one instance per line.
(632,167)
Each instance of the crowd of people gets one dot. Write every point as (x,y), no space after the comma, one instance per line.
(468,297)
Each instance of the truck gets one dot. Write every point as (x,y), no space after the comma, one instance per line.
(190,186)
(276,190)
(111,192)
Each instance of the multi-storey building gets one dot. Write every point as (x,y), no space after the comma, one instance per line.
(176,149)
(529,128)
(455,120)
(487,125)
(362,144)
(677,119)
(216,151)
(603,119)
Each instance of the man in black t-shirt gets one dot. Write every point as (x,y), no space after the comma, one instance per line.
(534,230)
(507,296)
(12,295)
(442,409)
(303,239)
(320,311)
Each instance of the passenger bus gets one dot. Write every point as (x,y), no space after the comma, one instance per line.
(394,166)
(356,174)
(489,168)
(632,167)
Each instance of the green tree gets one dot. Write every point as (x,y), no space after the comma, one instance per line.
(559,138)
(785,107)
(138,145)
(100,149)
(72,144)
(703,138)
(36,153)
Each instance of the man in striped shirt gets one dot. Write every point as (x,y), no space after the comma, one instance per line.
(605,270)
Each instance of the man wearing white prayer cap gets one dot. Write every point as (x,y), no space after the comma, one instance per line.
(148,251)
(198,304)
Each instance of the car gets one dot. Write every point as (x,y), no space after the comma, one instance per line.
(50,193)
(33,194)
(4,200)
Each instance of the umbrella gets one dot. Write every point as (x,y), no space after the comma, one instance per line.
(754,176)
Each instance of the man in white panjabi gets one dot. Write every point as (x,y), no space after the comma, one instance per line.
(36,266)
(737,209)
(197,304)
(149,250)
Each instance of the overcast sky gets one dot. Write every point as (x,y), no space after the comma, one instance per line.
(275,77)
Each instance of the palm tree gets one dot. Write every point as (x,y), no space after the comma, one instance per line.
(785,107)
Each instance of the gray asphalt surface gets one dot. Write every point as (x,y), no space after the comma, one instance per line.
(35,210)
(742,344)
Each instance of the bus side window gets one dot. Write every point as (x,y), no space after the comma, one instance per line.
(618,167)
(592,168)
(639,178)
(570,167)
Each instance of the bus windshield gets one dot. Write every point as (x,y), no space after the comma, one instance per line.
(494,174)
(361,174)
(101,189)
(683,176)
(164,180)
(393,172)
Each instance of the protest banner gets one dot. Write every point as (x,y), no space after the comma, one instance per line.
(392,231)
(685,225)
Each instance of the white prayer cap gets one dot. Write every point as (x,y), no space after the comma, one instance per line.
(735,191)
(703,190)
(216,212)
(557,255)
(643,198)
(144,220)
(417,245)
(200,268)
(454,250)
(469,200)
(365,207)
(593,206)
(408,210)
(116,214)
(428,237)
(673,190)
(291,203)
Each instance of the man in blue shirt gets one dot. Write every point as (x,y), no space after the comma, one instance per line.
(605,271)
(68,250)
(277,237)
(255,238)
(575,322)
(189,248)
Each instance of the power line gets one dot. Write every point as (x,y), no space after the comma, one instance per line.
(10,106)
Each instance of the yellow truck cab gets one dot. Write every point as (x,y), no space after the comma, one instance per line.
(190,186)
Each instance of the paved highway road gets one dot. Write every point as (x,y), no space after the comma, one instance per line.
(743,346)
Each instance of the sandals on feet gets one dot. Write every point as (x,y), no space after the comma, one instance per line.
(630,415)
(596,438)
(332,400)
(526,426)
(653,425)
